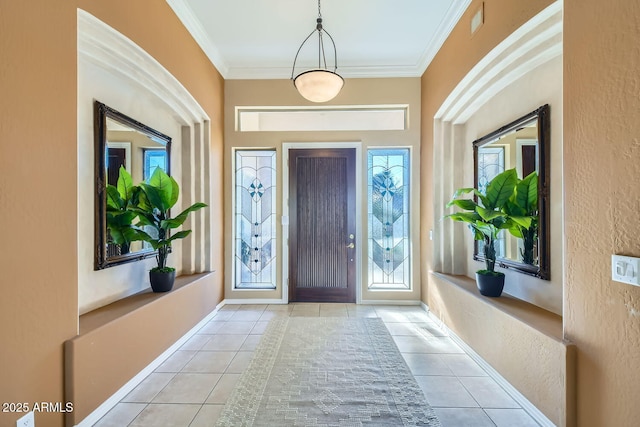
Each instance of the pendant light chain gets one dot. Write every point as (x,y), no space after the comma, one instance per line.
(321,55)
(321,84)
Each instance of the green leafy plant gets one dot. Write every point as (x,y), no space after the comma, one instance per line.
(524,203)
(487,218)
(119,213)
(151,205)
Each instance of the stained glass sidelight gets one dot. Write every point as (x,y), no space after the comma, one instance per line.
(255,220)
(490,164)
(154,159)
(388,212)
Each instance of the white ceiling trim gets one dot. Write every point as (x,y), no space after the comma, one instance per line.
(194,26)
(449,22)
(346,72)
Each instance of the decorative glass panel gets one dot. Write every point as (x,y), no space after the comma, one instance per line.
(388,209)
(255,220)
(154,159)
(490,164)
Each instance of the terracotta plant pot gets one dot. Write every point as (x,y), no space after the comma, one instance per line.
(490,285)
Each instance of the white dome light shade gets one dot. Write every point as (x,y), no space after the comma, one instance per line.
(318,85)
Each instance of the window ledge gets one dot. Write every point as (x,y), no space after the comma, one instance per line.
(546,322)
(102,316)
(118,340)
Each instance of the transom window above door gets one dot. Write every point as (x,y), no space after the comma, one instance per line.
(319,118)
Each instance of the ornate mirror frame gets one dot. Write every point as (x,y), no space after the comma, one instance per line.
(542,270)
(102,115)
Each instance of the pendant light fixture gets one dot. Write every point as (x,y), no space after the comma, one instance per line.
(318,84)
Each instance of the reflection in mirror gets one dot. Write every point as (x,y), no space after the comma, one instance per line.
(522,145)
(121,141)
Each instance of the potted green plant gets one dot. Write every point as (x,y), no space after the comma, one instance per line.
(152,204)
(119,216)
(524,203)
(485,220)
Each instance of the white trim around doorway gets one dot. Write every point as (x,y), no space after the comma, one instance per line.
(285,209)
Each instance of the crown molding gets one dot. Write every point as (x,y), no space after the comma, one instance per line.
(345,72)
(193,25)
(455,12)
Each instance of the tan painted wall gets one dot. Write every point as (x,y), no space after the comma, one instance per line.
(483,328)
(98,288)
(355,92)
(95,364)
(602,205)
(458,55)
(542,85)
(492,333)
(38,176)
(539,364)
(38,109)
(600,175)
(38,308)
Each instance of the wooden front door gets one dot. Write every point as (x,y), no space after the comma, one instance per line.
(116,157)
(322,225)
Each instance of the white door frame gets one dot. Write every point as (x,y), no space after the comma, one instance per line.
(285,209)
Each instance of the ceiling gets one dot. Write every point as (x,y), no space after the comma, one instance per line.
(258,39)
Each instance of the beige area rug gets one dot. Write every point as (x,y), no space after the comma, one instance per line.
(311,371)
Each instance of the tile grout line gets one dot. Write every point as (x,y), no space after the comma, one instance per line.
(388,316)
(524,403)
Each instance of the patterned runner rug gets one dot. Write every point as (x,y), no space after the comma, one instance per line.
(310,371)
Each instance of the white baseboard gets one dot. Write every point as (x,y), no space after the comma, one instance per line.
(112,401)
(528,407)
(252,301)
(279,301)
(389,302)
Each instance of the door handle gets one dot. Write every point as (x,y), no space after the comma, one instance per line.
(351,245)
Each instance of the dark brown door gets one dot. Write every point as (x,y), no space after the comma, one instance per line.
(528,159)
(322,225)
(117,158)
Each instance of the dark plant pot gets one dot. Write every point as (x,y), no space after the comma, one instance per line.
(162,281)
(489,285)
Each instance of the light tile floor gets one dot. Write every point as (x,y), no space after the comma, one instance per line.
(191,387)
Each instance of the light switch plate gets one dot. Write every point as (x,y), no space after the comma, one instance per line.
(625,269)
